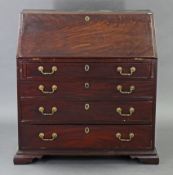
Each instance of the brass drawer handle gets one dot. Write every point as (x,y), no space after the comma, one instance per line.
(87,130)
(53,137)
(53,110)
(119,136)
(120,89)
(120,70)
(87,67)
(87,85)
(41,88)
(131,111)
(53,70)
(87,106)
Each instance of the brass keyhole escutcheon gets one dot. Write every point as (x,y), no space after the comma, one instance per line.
(87,85)
(87,106)
(87,18)
(87,67)
(87,130)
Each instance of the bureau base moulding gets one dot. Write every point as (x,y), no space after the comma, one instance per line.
(146,157)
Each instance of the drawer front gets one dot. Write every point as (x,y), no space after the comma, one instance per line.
(96,70)
(88,89)
(53,111)
(92,137)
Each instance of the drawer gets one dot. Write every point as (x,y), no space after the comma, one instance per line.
(54,111)
(88,89)
(93,137)
(66,71)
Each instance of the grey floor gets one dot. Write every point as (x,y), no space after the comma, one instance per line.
(58,166)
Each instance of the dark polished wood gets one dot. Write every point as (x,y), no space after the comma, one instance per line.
(149,159)
(96,70)
(99,112)
(88,56)
(25,159)
(75,137)
(146,157)
(104,35)
(98,89)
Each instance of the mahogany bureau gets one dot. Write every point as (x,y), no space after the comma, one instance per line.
(86,85)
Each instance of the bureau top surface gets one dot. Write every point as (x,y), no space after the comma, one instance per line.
(80,34)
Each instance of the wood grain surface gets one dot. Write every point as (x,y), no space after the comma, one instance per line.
(104,35)
(74,137)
